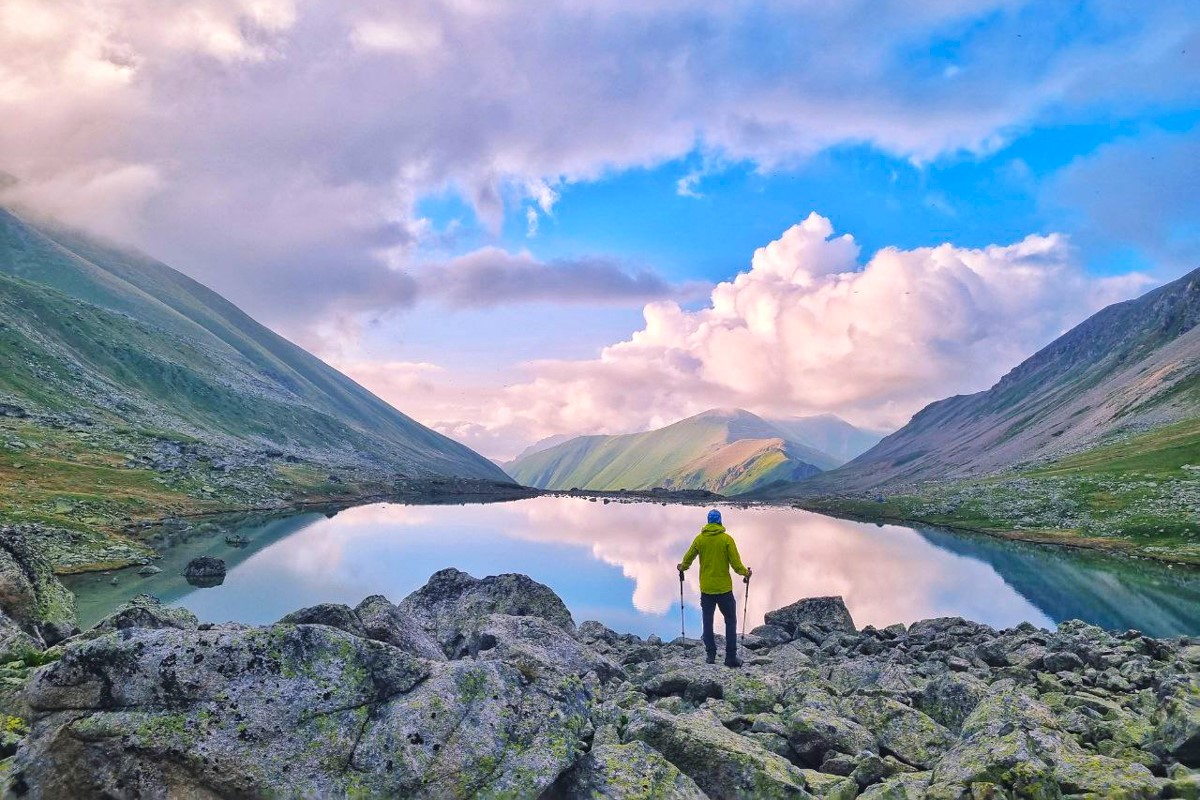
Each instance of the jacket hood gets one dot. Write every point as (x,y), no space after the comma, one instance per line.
(712,529)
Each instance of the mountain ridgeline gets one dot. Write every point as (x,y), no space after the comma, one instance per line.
(90,333)
(728,451)
(1123,375)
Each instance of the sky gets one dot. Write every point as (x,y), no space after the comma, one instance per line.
(515,220)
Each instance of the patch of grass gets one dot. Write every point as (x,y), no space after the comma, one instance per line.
(1133,494)
(1163,451)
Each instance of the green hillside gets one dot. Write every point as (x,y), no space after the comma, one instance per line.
(130,392)
(1140,494)
(89,320)
(725,451)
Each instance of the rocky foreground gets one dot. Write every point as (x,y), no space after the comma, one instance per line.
(486,688)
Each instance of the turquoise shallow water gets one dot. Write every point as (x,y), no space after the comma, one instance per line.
(615,563)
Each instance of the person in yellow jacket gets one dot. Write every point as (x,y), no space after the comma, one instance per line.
(718,553)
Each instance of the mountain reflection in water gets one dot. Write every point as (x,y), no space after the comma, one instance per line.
(616,563)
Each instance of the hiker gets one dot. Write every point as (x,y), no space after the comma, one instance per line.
(718,553)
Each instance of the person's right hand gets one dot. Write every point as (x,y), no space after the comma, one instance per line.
(680,568)
(749,572)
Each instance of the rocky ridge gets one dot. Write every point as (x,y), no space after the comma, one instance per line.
(486,688)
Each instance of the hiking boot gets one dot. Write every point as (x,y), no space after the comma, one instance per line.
(711,658)
(733,663)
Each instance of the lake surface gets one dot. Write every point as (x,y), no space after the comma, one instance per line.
(616,563)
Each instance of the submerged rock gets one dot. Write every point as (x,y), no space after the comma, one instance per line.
(205,571)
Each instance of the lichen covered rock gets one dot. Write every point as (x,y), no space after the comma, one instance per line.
(484,688)
(826,613)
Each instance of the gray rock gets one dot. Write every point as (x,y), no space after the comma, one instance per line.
(1015,742)
(335,615)
(902,787)
(816,733)
(1062,662)
(633,771)
(828,613)
(452,606)
(205,571)
(830,787)
(722,763)
(903,731)
(293,710)
(871,769)
(1177,730)
(540,649)
(772,635)
(149,569)
(950,699)
(31,597)
(385,622)
(146,611)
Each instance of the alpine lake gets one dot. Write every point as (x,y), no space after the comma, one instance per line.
(615,562)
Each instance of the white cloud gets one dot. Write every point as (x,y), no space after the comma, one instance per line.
(806,330)
(305,133)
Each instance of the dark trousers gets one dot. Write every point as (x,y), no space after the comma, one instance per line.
(709,603)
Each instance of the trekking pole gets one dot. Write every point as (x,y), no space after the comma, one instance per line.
(745,609)
(682,630)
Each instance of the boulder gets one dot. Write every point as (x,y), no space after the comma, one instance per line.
(453,605)
(633,771)
(385,622)
(830,787)
(771,635)
(911,786)
(950,698)
(827,613)
(1177,730)
(205,571)
(722,763)
(1015,742)
(900,730)
(147,611)
(815,733)
(335,615)
(539,648)
(290,710)
(31,597)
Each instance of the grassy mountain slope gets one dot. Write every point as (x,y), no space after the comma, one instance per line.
(94,330)
(130,393)
(727,451)
(1094,441)
(1130,368)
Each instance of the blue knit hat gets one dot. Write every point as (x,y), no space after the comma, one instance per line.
(714,516)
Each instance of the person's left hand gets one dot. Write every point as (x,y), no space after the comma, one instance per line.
(746,578)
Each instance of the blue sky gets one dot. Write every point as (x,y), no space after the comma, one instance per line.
(597,217)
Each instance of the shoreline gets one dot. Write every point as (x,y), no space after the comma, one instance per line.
(453,491)
(1112,547)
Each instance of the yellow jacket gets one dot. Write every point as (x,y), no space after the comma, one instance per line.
(717,553)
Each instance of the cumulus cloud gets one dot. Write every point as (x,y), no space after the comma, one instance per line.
(808,329)
(491,276)
(254,141)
